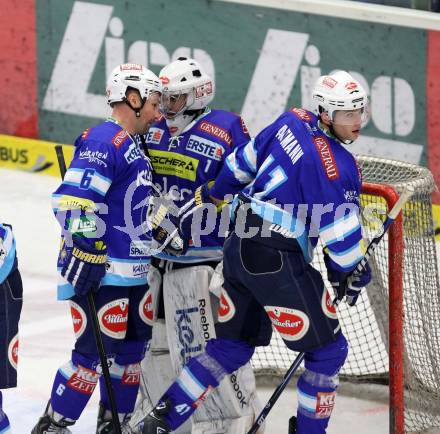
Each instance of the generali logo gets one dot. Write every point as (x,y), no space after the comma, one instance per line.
(328,160)
(113,318)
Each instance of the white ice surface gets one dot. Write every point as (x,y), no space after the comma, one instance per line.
(46,336)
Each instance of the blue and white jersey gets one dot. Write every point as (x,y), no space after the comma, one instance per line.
(8,260)
(183,163)
(305,182)
(104,196)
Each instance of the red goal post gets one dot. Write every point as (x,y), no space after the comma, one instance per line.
(395,326)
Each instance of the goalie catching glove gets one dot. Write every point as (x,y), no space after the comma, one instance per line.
(84,265)
(171,226)
(347,285)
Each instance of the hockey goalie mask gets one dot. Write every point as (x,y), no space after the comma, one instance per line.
(343,98)
(186,87)
(131,75)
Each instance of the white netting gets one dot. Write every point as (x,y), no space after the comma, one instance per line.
(366,324)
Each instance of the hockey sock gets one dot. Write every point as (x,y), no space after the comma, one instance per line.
(4,421)
(125,382)
(317,386)
(73,386)
(198,378)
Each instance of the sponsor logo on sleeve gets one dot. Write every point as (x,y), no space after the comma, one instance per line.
(85,225)
(66,202)
(85,133)
(301,113)
(328,160)
(172,163)
(244,126)
(216,131)
(146,308)
(205,147)
(154,135)
(327,305)
(119,138)
(226,309)
(13,352)
(79,319)
(113,318)
(291,324)
(133,153)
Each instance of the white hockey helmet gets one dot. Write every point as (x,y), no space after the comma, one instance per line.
(185,77)
(339,91)
(131,75)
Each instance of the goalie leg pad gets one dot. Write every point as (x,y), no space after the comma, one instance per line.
(191,311)
(73,386)
(317,386)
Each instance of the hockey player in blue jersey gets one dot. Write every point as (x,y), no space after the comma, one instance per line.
(11,289)
(302,184)
(102,206)
(188,147)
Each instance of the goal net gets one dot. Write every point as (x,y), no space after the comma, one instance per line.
(394,329)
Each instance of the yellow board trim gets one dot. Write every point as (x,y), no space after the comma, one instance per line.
(31,155)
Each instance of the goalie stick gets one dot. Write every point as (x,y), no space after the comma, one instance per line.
(392,215)
(95,324)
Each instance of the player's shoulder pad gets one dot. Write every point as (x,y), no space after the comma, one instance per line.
(298,126)
(107,135)
(219,124)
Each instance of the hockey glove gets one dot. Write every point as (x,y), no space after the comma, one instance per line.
(165,224)
(172,228)
(356,282)
(84,265)
(346,284)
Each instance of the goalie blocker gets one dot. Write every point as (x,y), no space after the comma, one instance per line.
(191,297)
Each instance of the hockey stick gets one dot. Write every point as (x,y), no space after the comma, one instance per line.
(95,323)
(406,194)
